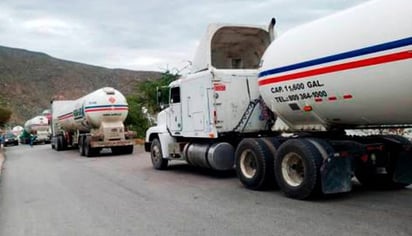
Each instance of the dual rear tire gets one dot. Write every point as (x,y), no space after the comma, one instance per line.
(293,166)
(297,168)
(85,149)
(254,163)
(60,143)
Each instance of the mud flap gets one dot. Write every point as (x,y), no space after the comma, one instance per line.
(336,174)
(336,170)
(403,169)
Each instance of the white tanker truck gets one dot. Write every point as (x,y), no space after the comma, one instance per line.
(39,127)
(351,70)
(91,123)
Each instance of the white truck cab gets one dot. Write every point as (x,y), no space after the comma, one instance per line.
(218,99)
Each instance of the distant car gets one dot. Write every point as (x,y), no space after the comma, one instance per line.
(10,139)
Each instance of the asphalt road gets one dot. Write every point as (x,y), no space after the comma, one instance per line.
(44,192)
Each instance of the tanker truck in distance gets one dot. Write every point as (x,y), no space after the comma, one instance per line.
(38,127)
(91,123)
(47,114)
(275,108)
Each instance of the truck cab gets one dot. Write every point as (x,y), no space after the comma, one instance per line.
(219,97)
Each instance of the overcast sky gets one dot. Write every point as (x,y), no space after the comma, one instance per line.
(140,35)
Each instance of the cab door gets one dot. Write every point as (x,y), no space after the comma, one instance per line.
(174,119)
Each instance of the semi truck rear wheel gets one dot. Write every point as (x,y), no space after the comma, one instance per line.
(158,161)
(59,143)
(81,145)
(88,150)
(254,161)
(297,168)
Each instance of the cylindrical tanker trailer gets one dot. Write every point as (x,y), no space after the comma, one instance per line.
(91,123)
(38,129)
(17,130)
(276,108)
(352,69)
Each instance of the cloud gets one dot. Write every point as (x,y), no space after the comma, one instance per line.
(149,35)
(50,27)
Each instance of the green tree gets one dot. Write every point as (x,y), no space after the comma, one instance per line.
(5,115)
(145,97)
(136,120)
(147,90)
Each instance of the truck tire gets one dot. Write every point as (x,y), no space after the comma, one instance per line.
(63,143)
(159,163)
(59,143)
(297,169)
(254,161)
(81,145)
(88,150)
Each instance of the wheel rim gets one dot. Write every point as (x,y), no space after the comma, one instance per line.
(248,164)
(156,154)
(293,170)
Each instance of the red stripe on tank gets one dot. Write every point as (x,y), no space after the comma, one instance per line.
(340,67)
(107,109)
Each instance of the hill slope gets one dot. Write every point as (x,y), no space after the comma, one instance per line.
(29,80)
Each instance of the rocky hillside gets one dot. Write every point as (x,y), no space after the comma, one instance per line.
(29,80)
